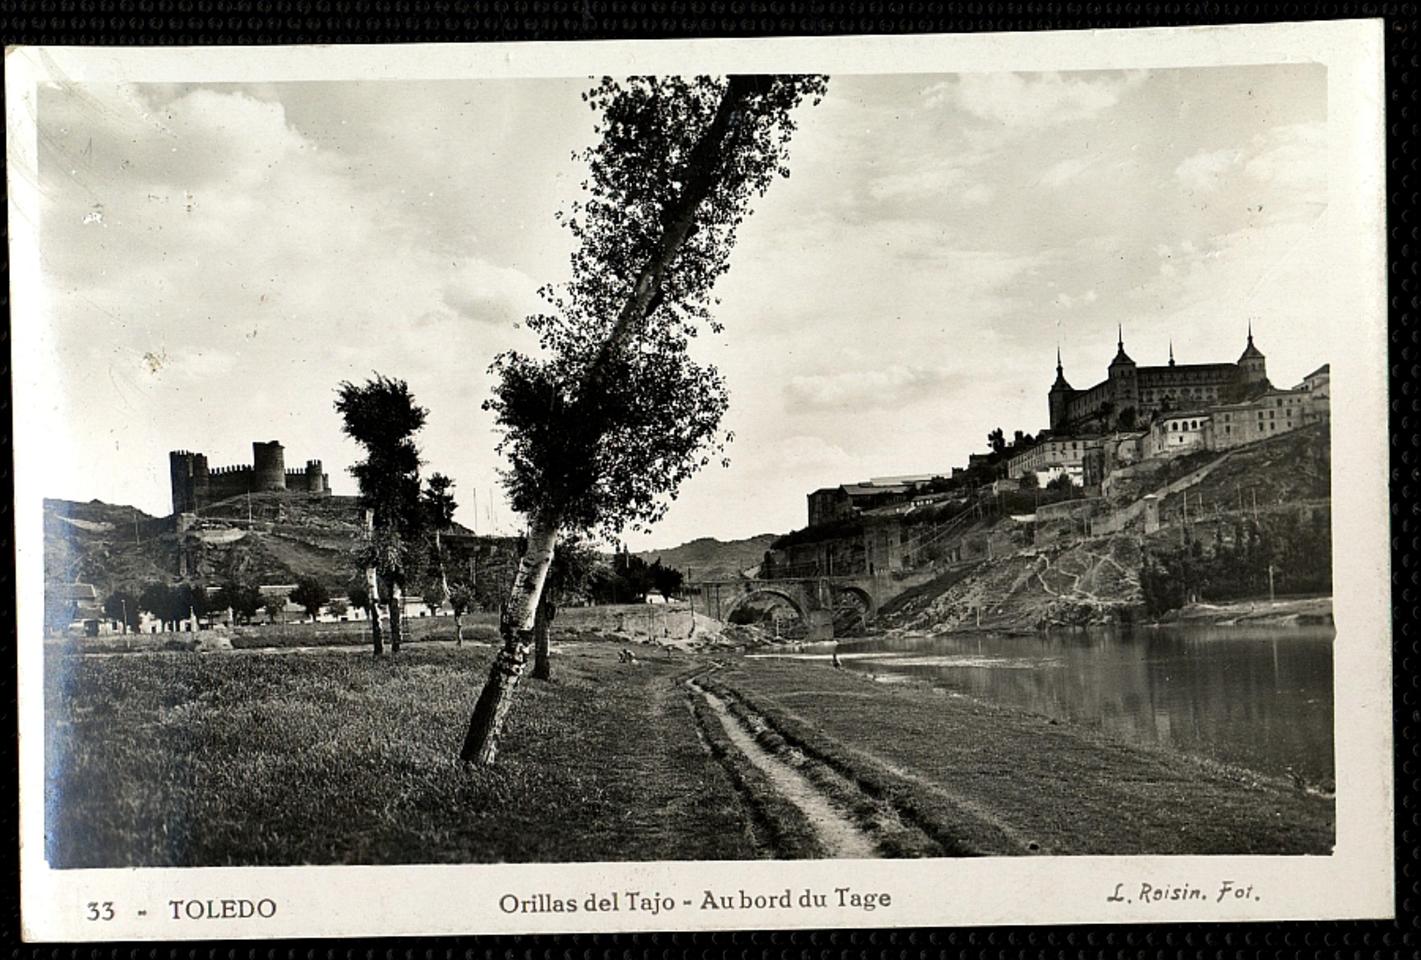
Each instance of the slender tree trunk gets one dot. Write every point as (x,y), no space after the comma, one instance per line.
(542,626)
(397,616)
(516,629)
(444,582)
(372,588)
(377,629)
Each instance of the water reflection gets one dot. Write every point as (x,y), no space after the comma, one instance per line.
(1255,696)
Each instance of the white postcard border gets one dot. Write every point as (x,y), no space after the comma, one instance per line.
(1356,881)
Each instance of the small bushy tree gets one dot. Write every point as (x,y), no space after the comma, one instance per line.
(243,599)
(273,604)
(463,599)
(311,594)
(383,418)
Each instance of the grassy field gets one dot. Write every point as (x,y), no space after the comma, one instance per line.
(334,757)
(331,756)
(991,780)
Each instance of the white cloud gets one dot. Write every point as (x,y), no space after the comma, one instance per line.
(977,194)
(1034,100)
(932,180)
(890,386)
(1068,301)
(1292,157)
(487,293)
(1202,171)
(1065,170)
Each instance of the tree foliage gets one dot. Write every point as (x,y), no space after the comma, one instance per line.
(614,415)
(274,604)
(382,416)
(1234,563)
(171,603)
(311,594)
(243,599)
(122,605)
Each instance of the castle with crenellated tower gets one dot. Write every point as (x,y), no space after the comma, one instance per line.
(195,484)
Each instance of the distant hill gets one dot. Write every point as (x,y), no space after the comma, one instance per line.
(267,538)
(709,559)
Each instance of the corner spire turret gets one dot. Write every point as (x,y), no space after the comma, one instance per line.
(1121,357)
(1060,383)
(1250,352)
(1171,352)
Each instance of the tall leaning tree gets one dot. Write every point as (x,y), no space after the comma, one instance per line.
(383,418)
(602,427)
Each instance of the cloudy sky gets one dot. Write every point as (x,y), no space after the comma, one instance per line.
(217,258)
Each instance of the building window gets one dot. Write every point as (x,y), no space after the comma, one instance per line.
(1228,429)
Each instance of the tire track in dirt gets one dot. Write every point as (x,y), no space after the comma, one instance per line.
(838,834)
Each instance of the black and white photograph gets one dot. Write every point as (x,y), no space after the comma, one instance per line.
(604,466)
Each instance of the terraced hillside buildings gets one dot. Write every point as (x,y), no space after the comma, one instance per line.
(1136,414)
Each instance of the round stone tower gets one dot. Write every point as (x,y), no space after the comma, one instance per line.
(268,466)
(315,479)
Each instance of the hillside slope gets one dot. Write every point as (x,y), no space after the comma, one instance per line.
(709,559)
(1062,584)
(267,538)
(1078,580)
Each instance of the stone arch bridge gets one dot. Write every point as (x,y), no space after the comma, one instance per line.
(816,599)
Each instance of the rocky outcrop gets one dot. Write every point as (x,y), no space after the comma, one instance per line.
(1085,582)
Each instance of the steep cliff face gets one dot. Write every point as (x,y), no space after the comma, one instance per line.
(1089,581)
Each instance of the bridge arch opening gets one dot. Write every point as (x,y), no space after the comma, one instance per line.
(775,611)
(854,609)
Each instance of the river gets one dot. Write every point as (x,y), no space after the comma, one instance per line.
(1258,697)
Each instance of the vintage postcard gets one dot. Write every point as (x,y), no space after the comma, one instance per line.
(863,481)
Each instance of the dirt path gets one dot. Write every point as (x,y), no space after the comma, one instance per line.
(839,835)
